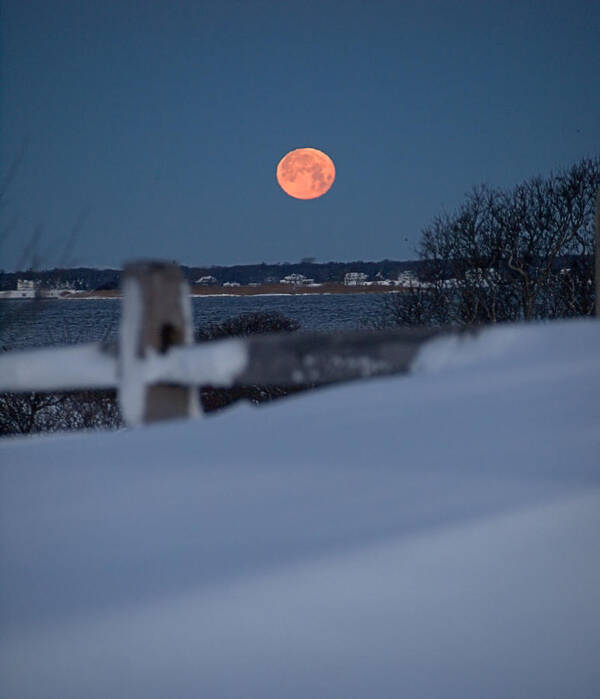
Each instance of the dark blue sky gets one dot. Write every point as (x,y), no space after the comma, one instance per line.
(157,126)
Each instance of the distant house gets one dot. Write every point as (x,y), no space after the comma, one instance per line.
(208,280)
(482,277)
(27,288)
(27,285)
(355,278)
(476,274)
(407,278)
(296,280)
(231,284)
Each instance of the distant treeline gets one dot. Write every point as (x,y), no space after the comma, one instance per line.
(90,279)
(101,279)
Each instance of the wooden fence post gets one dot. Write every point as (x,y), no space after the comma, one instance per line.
(597,253)
(156,315)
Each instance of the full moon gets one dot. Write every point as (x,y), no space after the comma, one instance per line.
(305,173)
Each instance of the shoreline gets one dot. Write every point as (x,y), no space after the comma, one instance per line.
(325,289)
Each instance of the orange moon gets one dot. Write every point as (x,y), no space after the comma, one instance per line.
(305,173)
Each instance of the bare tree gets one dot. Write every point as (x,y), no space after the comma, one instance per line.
(508,255)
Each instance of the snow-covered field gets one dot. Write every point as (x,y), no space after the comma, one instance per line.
(436,535)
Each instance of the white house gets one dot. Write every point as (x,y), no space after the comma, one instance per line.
(208,280)
(355,278)
(407,278)
(296,280)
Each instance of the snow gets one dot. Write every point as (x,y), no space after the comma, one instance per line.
(90,365)
(435,535)
(215,363)
(83,365)
(132,388)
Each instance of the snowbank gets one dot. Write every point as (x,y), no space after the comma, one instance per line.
(435,535)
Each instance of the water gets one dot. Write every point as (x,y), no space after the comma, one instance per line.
(51,322)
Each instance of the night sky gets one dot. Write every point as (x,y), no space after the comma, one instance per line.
(153,129)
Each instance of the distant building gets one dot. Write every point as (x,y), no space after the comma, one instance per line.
(407,278)
(231,284)
(476,274)
(296,280)
(27,288)
(355,278)
(208,280)
(27,285)
(482,277)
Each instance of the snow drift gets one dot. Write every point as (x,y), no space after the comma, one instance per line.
(435,535)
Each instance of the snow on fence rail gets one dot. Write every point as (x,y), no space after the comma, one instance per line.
(156,367)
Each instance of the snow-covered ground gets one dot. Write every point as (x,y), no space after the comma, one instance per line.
(436,535)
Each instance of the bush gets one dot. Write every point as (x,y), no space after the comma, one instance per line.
(213,398)
(247,324)
(28,413)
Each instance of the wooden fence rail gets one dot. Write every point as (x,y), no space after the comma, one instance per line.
(156,367)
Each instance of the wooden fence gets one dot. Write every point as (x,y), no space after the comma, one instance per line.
(156,367)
